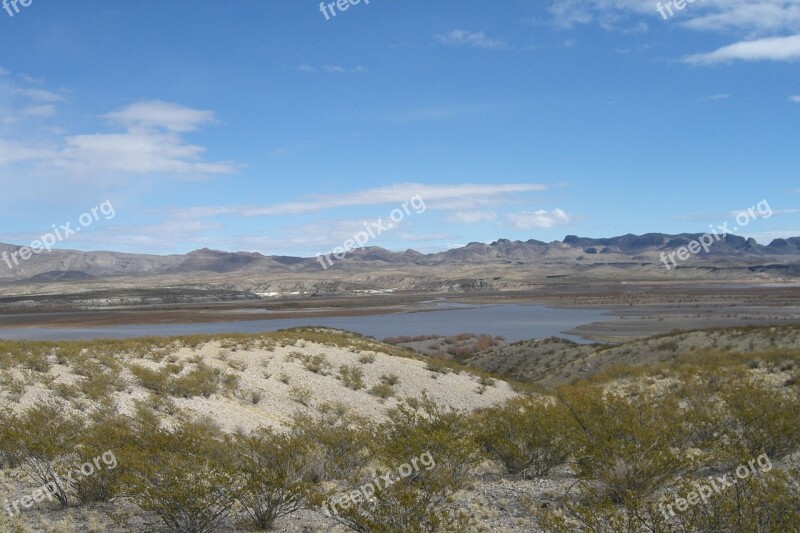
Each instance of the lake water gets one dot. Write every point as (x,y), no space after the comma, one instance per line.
(513,322)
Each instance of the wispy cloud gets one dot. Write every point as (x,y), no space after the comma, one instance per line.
(795,98)
(39,111)
(39,94)
(442,197)
(749,17)
(160,115)
(331,69)
(466,38)
(715,97)
(471,217)
(767,49)
(539,219)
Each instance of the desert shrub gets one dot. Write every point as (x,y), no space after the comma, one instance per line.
(352,377)
(526,435)
(766,501)
(445,433)
(101,382)
(318,364)
(438,366)
(460,353)
(668,346)
(108,438)
(382,390)
(366,359)
(484,342)
(40,441)
(339,441)
(277,478)
(627,446)
(154,380)
(28,354)
(186,477)
(11,385)
(390,379)
(761,419)
(202,380)
(418,500)
(301,395)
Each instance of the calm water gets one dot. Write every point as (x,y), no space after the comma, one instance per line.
(513,322)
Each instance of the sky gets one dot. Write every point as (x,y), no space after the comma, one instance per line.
(282,128)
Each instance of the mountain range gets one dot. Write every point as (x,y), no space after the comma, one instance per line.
(502,264)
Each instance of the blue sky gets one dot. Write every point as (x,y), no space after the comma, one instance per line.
(262,126)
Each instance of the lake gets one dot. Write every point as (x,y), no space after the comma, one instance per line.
(513,322)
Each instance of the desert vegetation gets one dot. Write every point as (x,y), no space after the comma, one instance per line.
(606,452)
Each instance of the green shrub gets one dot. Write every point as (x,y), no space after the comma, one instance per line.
(390,379)
(203,380)
(154,380)
(187,478)
(339,441)
(382,390)
(277,475)
(526,435)
(627,446)
(419,499)
(41,441)
(352,377)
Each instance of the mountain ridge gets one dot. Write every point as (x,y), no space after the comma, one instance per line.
(573,255)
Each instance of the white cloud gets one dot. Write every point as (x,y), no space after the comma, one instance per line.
(755,17)
(39,94)
(438,197)
(748,17)
(476,39)
(39,111)
(795,99)
(12,152)
(538,219)
(150,143)
(278,152)
(136,152)
(768,49)
(160,115)
(331,69)
(448,197)
(470,217)
(336,69)
(714,97)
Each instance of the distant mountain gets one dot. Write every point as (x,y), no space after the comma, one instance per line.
(477,264)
